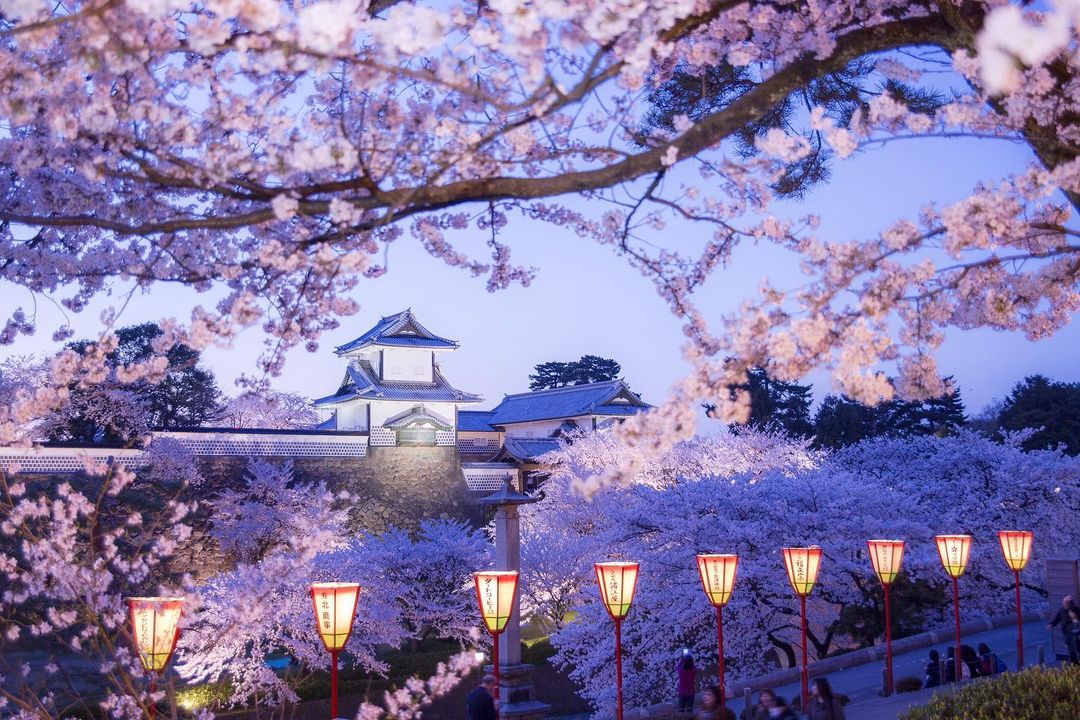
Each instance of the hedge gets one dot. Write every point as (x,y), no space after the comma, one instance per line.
(1036,694)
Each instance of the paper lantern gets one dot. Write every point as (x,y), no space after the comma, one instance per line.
(335,609)
(802,568)
(954,551)
(886,556)
(618,581)
(1016,546)
(718,577)
(495,592)
(155,626)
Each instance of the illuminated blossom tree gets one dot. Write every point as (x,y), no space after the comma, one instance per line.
(271,151)
(269,409)
(909,488)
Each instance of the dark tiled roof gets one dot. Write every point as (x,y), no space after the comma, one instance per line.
(568,402)
(401,330)
(475,421)
(362,382)
(529,449)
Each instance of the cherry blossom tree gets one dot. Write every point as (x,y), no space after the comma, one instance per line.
(269,409)
(909,488)
(272,151)
(271,508)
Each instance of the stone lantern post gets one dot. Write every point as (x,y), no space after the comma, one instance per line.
(516,690)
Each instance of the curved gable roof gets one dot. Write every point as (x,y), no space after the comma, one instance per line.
(400,330)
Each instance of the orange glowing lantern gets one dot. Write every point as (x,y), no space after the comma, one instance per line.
(954,551)
(1016,546)
(802,568)
(886,556)
(335,609)
(495,592)
(718,579)
(155,626)
(618,581)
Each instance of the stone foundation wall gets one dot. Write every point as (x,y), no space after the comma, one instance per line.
(399,485)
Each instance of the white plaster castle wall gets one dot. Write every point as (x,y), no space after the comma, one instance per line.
(408,365)
(544,428)
(352,416)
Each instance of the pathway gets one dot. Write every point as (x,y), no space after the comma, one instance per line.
(863,683)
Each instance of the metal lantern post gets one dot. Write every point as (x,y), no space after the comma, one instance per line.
(1016,546)
(335,610)
(155,627)
(802,569)
(496,591)
(718,580)
(886,556)
(618,581)
(954,551)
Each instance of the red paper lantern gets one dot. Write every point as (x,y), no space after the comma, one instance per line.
(886,556)
(718,577)
(802,568)
(335,610)
(618,581)
(155,626)
(495,593)
(954,551)
(1016,546)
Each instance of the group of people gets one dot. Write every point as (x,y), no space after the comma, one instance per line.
(979,662)
(824,705)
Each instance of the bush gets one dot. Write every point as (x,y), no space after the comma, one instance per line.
(1035,694)
(908,684)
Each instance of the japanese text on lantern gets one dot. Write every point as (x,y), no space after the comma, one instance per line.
(324,603)
(490,607)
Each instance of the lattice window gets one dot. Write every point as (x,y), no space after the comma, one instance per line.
(477,445)
(67,460)
(486,482)
(273,446)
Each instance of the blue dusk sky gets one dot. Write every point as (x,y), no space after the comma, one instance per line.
(585,300)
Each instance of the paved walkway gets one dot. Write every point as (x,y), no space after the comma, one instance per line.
(863,684)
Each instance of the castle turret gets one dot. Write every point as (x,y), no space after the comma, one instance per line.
(393,385)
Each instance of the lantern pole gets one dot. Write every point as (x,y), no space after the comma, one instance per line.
(888,643)
(720,645)
(333,684)
(618,670)
(1019,625)
(495,664)
(957,673)
(805,672)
